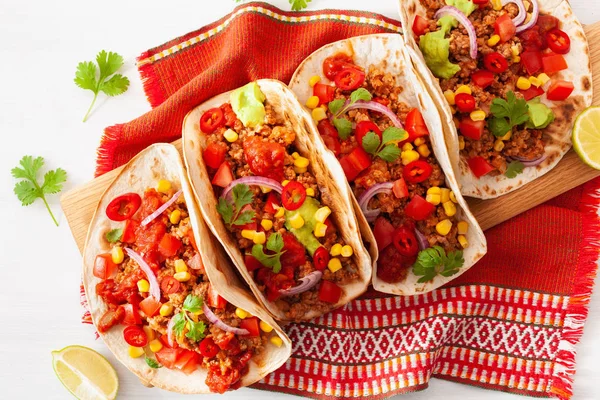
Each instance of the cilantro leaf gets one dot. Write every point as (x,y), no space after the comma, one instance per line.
(433,261)
(152,363)
(499,126)
(192,303)
(360,94)
(242,196)
(28,189)
(179,321)
(226,210)
(335,106)
(453,262)
(298,5)
(390,153)
(232,213)
(101,78)
(196,331)
(244,218)
(273,261)
(371,142)
(514,168)
(113,235)
(393,134)
(507,114)
(275,243)
(343,126)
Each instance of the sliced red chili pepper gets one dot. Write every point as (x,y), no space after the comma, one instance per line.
(336,63)
(123,207)
(465,102)
(170,285)
(417,171)
(495,62)
(211,120)
(405,241)
(135,336)
(558,41)
(349,79)
(208,348)
(321,258)
(293,195)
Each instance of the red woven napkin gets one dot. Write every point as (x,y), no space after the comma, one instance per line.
(511,323)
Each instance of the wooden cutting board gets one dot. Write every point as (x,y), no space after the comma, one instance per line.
(80,203)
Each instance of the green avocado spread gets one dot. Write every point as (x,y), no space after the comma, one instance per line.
(305,234)
(465,6)
(540,115)
(247,104)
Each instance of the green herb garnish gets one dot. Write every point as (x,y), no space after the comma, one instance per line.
(28,190)
(514,168)
(196,330)
(114,235)
(386,149)
(297,5)
(434,261)
(274,244)
(152,363)
(507,114)
(232,213)
(339,107)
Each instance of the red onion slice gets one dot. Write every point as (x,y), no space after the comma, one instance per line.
(161,209)
(196,262)
(522,15)
(253,181)
(375,106)
(170,333)
(306,283)
(422,240)
(220,324)
(535,13)
(364,199)
(464,21)
(154,286)
(530,162)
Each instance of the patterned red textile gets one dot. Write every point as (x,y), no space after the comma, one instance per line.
(511,323)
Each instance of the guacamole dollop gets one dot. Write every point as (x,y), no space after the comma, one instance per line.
(247,104)
(465,6)
(540,115)
(436,49)
(305,234)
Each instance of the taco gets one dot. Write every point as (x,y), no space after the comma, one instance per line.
(509,78)
(160,292)
(265,188)
(375,116)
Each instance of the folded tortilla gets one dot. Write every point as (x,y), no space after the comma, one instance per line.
(162,161)
(558,133)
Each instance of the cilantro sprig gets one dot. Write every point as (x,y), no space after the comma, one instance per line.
(387,147)
(196,330)
(152,363)
(297,5)
(434,261)
(507,114)
(232,213)
(339,107)
(107,81)
(274,244)
(514,168)
(28,189)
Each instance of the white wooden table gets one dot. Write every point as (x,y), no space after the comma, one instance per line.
(40,114)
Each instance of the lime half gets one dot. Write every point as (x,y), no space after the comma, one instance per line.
(586,136)
(85,373)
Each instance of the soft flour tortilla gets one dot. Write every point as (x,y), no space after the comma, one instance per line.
(334,193)
(558,133)
(388,53)
(162,161)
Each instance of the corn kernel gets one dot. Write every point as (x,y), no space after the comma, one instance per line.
(267,224)
(507,136)
(182,276)
(516,59)
(528,18)
(319,114)
(143,285)
(163,186)
(299,170)
(320,230)
(150,334)
(116,255)
(334,264)
(544,78)
(434,199)
(301,162)
(310,192)
(265,327)
(322,214)
(135,352)
(279,213)
(347,251)
(445,194)
(336,250)
(424,150)
(463,89)
(449,208)
(478,115)
(407,147)
(409,156)
(180,266)
(498,145)
(463,227)
(230,135)
(515,50)
(285,182)
(260,238)
(461,143)
(295,155)
(314,80)
(276,341)
(463,241)
(450,97)
(527,4)
(419,141)
(453,197)
(434,190)
(248,234)
(443,227)
(497,4)
(523,83)
(493,40)
(297,221)
(175,217)
(241,314)
(535,81)
(166,309)
(265,189)
(312,102)
(156,346)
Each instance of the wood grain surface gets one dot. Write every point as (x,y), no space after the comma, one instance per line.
(80,203)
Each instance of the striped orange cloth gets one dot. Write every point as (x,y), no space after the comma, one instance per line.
(510,324)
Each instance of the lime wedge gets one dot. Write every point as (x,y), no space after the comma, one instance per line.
(586,136)
(85,373)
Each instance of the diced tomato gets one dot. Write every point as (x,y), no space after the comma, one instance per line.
(164,339)
(230,116)
(123,207)
(336,63)
(415,125)
(480,2)
(214,154)
(419,209)
(329,292)
(364,127)
(349,79)
(400,190)
(420,25)
(354,163)
(326,128)
(129,231)
(417,171)
(223,177)
(321,258)
(208,348)
(333,144)
(532,92)
(152,201)
(532,61)
(272,201)
(251,325)
(553,63)
(295,254)
(183,358)
(264,158)
(104,267)
(479,166)
(213,299)
(150,306)
(192,365)
(560,90)
(392,267)
(192,239)
(471,129)
(483,78)
(169,245)
(532,39)
(325,93)
(132,315)
(211,120)
(293,195)
(110,319)
(505,28)
(383,232)
(558,41)
(149,236)
(546,23)
(252,263)
(169,285)
(135,336)
(167,356)
(465,102)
